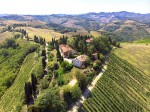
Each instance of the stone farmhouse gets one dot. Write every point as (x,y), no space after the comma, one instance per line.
(66,51)
(80,61)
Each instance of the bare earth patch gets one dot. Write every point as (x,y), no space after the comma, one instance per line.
(73,82)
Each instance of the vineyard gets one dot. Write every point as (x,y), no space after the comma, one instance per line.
(122,88)
(137,55)
(13,98)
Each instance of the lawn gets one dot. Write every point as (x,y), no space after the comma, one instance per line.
(12,100)
(136,54)
(45,33)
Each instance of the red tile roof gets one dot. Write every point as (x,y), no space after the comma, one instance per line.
(89,40)
(82,58)
(65,48)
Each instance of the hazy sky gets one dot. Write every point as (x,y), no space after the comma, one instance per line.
(72,6)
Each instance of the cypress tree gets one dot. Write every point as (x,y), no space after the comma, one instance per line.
(34,82)
(28,92)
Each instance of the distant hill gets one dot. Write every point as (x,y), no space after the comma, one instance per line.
(102,17)
(126,26)
(127,30)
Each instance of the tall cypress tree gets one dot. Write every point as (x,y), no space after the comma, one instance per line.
(34,82)
(28,92)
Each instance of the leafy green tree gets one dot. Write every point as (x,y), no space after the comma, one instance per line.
(72,42)
(75,92)
(49,101)
(88,61)
(102,58)
(98,62)
(95,67)
(10,43)
(66,66)
(91,50)
(60,80)
(82,80)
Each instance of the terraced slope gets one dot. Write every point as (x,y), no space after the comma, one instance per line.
(122,88)
(12,101)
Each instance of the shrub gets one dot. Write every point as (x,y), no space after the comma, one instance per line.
(66,66)
(55,73)
(56,66)
(60,81)
(50,66)
(44,83)
(95,67)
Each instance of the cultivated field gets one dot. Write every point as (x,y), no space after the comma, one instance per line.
(95,33)
(136,54)
(143,41)
(45,33)
(12,100)
(5,35)
(122,88)
(30,22)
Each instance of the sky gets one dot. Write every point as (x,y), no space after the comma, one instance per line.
(72,6)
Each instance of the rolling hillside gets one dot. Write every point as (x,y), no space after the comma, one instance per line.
(122,88)
(128,30)
(5,35)
(45,33)
(136,54)
(13,97)
(126,26)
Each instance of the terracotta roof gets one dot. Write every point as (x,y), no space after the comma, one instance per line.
(66,48)
(82,58)
(89,40)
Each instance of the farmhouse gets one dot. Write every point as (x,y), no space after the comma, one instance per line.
(66,51)
(90,40)
(80,61)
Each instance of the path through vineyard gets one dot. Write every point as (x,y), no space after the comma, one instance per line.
(84,96)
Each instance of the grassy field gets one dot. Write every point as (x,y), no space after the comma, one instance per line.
(122,88)
(95,33)
(12,100)
(45,33)
(136,54)
(5,35)
(10,22)
(78,32)
(143,41)
(32,23)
